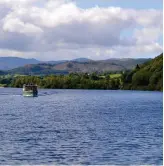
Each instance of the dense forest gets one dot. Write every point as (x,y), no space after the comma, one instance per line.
(148,76)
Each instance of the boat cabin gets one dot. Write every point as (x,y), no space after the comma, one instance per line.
(30,87)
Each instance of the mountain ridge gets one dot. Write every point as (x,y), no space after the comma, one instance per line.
(76,67)
(9,63)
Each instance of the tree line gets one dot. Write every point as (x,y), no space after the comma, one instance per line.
(71,81)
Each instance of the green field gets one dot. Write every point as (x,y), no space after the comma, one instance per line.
(3,85)
(115,75)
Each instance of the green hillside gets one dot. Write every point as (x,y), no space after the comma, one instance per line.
(36,69)
(148,76)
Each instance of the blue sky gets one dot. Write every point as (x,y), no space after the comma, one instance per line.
(136,4)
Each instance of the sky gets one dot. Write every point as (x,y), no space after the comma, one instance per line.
(69,29)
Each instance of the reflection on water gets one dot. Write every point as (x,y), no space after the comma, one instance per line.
(81,127)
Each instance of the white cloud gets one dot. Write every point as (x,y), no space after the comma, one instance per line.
(16,3)
(15,25)
(147,35)
(58,26)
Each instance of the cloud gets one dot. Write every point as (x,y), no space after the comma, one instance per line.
(16,25)
(16,3)
(60,27)
(147,35)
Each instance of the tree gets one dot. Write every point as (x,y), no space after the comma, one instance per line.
(137,67)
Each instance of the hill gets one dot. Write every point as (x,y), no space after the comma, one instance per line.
(148,76)
(129,63)
(37,69)
(7,63)
(2,72)
(78,67)
(82,60)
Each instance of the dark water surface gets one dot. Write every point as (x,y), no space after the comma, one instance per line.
(81,127)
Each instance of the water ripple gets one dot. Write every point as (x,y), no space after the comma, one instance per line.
(81,127)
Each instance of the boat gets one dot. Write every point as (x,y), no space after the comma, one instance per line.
(30,90)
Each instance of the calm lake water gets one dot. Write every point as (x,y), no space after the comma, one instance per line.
(81,127)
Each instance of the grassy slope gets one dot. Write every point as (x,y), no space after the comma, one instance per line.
(115,75)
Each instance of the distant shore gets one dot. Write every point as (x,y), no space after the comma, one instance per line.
(41,88)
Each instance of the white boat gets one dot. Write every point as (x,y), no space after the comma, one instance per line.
(30,90)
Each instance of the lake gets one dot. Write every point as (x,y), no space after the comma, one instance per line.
(81,127)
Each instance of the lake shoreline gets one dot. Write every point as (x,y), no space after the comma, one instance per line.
(131,90)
